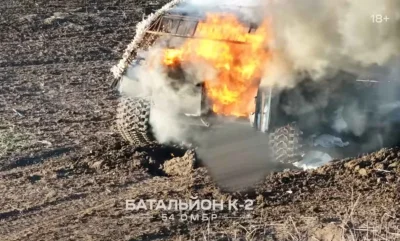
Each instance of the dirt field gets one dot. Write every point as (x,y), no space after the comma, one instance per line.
(66,175)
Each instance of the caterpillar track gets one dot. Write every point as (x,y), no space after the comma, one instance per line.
(133,121)
(285,143)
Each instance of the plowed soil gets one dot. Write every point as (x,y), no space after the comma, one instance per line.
(66,175)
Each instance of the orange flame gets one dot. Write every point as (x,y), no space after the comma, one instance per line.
(239,66)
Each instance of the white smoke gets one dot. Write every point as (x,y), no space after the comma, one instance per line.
(234,3)
(322,37)
(170,98)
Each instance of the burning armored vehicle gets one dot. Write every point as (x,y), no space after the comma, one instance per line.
(232,51)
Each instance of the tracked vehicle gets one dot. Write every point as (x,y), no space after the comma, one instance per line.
(290,118)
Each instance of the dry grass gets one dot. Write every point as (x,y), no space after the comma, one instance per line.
(383,228)
(13,138)
(302,229)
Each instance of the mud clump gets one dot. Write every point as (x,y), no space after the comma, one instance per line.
(180,166)
(113,154)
